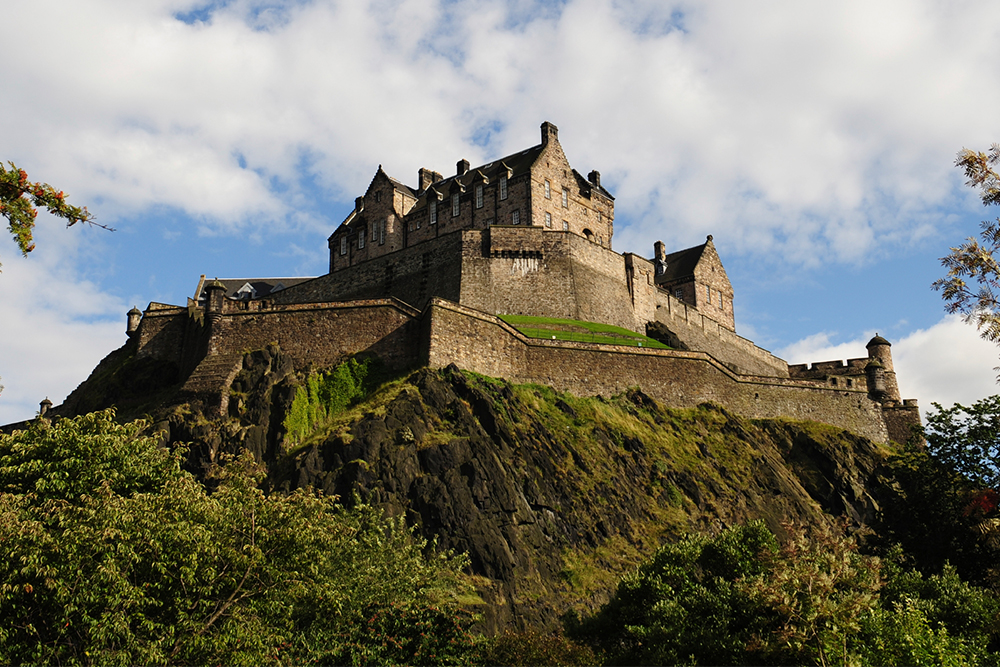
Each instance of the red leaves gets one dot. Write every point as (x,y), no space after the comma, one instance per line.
(983,502)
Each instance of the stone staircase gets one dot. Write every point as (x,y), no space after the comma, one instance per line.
(212,377)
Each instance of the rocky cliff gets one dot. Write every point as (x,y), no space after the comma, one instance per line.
(553,496)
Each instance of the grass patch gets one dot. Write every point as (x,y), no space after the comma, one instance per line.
(579,331)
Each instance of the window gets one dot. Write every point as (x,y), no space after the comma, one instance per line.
(708,293)
(600,217)
(479,195)
(433,212)
(378,196)
(361,238)
(515,218)
(375,231)
(548,190)
(343,245)
(455,206)
(503,187)
(565,198)
(565,225)
(381,233)
(548,220)
(679,293)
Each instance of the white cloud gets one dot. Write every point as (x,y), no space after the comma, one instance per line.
(946,363)
(54,326)
(818,132)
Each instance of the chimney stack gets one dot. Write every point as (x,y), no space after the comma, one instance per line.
(462,167)
(595,178)
(549,132)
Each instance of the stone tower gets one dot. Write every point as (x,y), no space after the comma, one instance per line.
(879,350)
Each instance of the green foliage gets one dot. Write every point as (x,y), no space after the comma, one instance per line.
(740,599)
(324,395)
(973,261)
(19,198)
(948,509)
(395,634)
(110,553)
(530,647)
(966,440)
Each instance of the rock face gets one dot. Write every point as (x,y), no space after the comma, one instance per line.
(552,496)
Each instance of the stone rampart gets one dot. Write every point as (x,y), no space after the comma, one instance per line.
(483,344)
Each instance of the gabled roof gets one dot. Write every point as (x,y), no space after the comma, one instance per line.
(518,163)
(254,288)
(681,264)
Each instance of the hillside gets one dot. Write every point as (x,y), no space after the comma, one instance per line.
(552,496)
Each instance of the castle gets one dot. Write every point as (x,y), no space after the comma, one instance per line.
(420,275)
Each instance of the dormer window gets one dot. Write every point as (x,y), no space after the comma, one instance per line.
(479,195)
(503,186)
(548,189)
(455,206)
(565,198)
(343,244)
(433,212)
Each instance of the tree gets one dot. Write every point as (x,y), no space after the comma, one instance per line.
(741,598)
(111,553)
(975,262)
(20,200)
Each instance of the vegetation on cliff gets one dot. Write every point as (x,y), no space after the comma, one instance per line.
(557,501)
(110,553)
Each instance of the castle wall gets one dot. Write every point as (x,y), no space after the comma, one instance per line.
(693,328)
(410,275)
(161,332)
(531,271)
(679,379)
(321,334)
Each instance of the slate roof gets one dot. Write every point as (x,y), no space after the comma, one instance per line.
(681,264)
(255,288)
(519,163)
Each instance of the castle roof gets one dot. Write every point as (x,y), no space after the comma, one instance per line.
(512,165)
(681,264)
(253,288)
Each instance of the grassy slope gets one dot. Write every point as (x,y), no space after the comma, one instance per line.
(578,330)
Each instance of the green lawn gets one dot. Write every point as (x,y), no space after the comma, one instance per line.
(586,332)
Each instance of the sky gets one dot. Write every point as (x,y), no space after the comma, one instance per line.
(814,140)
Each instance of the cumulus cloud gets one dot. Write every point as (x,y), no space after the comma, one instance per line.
(810,132)
(946,363)
(55,326)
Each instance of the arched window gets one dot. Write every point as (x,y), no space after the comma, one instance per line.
(589,234)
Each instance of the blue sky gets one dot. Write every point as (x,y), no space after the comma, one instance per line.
(815,141)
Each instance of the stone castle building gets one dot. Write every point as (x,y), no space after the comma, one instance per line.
(419,275)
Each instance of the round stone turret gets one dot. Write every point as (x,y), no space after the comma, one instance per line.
(879,350)
(134,317)
(44,407)
(875,374)
(215,292)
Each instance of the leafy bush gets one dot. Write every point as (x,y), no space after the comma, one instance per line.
(324,395)
(110,553)
(530,647)
(740,599)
